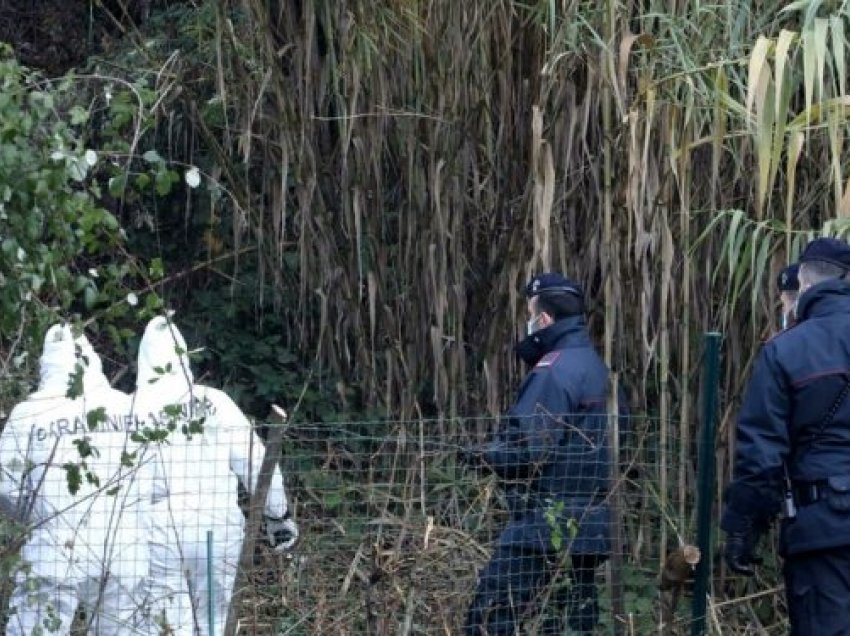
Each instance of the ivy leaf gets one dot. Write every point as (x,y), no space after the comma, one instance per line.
(77,169)
(92,479)
(90,297)
(163,182)
(156,268)
(152,156)
(75,382)
(79,115)
(152,302)
(73,477)
(173,410)
(95,417)
(117,185)
(85,449)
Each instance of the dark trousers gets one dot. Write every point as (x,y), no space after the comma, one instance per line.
(514,583)
(817,585)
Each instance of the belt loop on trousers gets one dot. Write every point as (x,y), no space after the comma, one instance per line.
(806,493)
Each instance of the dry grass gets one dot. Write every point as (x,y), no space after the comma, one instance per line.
(391,549)
(404,577)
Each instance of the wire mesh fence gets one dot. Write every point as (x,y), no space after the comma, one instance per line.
(398,528)
(404,527)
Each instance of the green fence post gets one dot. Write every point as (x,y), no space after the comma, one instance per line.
(705,479)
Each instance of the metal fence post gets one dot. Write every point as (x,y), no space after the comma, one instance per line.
(210,588)
(615,563)
(705,479)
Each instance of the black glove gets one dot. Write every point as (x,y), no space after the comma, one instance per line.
(746,517)
(739,552)
(281,533)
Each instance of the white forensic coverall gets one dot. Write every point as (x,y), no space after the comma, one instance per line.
(196,486)
(87,547)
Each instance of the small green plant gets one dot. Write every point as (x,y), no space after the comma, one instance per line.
(52,229)
(52,623)
(554,514)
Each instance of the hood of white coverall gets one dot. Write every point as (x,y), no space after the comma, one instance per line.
(163,359)
(60,356)
(78,534)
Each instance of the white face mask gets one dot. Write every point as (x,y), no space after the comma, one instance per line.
(531,325)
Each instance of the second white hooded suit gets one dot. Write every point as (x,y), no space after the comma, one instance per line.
(211,447)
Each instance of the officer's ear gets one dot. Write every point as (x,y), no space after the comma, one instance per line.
(545,319)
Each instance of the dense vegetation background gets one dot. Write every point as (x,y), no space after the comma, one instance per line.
(343,200)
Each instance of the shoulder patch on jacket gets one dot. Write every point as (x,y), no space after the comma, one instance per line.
(548,359)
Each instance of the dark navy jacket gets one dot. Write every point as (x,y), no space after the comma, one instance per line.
(552,450)
(796,380)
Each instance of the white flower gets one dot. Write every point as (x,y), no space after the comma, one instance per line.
(90,157)
(132,299)
(193,177)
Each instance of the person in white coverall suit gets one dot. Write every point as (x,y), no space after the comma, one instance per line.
(196,486)
(86,546)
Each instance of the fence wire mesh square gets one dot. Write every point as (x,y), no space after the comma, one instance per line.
(404,527)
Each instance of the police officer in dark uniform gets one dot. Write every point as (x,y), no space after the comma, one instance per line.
(793,449)
(553,456)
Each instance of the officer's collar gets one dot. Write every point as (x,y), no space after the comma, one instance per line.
(538,344)
(824,298)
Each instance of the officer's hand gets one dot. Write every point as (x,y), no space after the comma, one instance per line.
(738,553)
(281,533)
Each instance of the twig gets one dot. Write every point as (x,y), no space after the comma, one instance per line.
(174,277)
(749,597)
